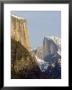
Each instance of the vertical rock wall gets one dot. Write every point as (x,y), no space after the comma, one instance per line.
(19,31)
(49,47)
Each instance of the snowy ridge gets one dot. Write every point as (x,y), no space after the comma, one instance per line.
(56,39)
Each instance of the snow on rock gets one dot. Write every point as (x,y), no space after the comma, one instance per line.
(42,64)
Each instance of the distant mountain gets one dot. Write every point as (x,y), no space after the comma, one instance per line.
(49,52)
(49,47)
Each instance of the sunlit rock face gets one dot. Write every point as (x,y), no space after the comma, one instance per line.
(19,31)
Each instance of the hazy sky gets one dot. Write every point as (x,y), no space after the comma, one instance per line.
(40,24)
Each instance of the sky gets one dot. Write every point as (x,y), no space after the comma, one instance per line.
(41,24)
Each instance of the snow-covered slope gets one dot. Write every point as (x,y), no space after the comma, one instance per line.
(42,64)
(56,39)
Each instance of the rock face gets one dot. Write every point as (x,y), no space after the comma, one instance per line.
(50,50)
(19,31)
(23,64)
(49,47)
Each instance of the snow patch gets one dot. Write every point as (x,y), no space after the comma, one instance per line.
(42,64)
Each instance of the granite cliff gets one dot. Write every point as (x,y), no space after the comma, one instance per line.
(20,32)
